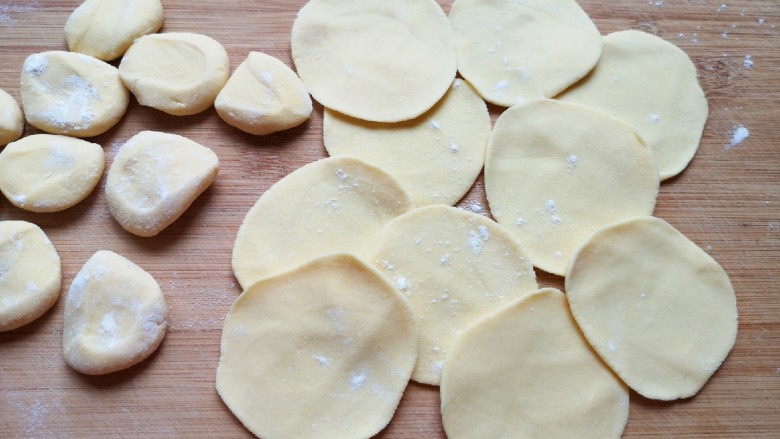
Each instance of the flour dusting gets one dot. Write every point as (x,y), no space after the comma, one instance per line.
(738,135)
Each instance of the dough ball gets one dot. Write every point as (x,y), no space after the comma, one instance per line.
(658,309)
(30,274)
(324,351)
(515,51)
(527,372)
(154,178)
(376,60)
(11,119)
(106,28)
(72,94)
(454,267)
(435,157)
(49,173)
(178,73)
(333,205)
(263,96)
(115,315)
(652,85)
(555,173)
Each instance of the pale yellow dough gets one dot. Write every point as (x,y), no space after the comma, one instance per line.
(651,84)
(324,351)
(513,51)
(11,119)
(454,267)
(106,28)
(263,96)
(72,94)
(115,315)
(526,372)
(555,173)
(657,308)
(376,60)
(435,157)
(333,205)
(179,73)
(154,178)
(49,173)
(30,274)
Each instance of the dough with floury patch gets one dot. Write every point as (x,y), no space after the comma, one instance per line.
(72,94)
(11,119)
(323,351)
(30,274)
(106,28)
(263,96)
(50,173)
(154,179)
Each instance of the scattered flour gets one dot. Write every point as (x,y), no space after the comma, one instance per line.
(571,163)
(402,284)
(358,379)
(473,206)
(738,135)
(748,62)
(324,361)
(477,239)
(6,10)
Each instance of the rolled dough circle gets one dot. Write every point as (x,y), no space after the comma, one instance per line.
(72,94)
(376,60)
(527,372)
(179,73)
(651,84)
(657,308)
(555,173)
(323,351)
(115,315)
(515,51)
(454,267)
(49,173)
(339,204)
(11,119)
(435,157)
(30,274)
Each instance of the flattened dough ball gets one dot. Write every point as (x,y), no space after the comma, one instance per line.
(324,351)
(30,274)
(515,51)
(657,308)
(435,157)
(179,73)
(106,28)
(376,60)
(332,205)
(555,173)
(115,315)
(651,84)
(154,179)
(49,173)
(11,119)
(263,96)
(72,94)
(454,267)
(527,372)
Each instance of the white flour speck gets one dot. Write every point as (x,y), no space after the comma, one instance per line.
(748,62)
(571,163)
(434,124)
(35,64)
(474,207)
(445,259)
(32,288)
(773,225)
(453,147)
(738,135)
(501,85)
(550,207)
(358,379)
(324,361)
(654,119)
(267,77)
(558,255)
(402,284)
(477,239)
(388,266)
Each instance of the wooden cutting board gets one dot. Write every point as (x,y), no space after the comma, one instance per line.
(727,201)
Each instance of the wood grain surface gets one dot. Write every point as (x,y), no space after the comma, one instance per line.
(727,202)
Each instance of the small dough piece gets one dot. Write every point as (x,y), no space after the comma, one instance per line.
(106,28)
(516,51)
(657,308)
(527,372)
(324,351)
(72,94)
(263,96)
(11,119)
(338,204)
(178,73)
(651,84)
(435,157)
(555,173)
(454,267)
(49,173)
(155,178)
(115,315)
(30,274)
(376,60)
